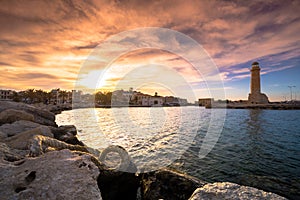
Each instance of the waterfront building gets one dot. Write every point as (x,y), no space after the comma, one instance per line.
(6,95)
(141,99)
(182,102)
(174,101)
(121,97)
(156,101)
(255,96)
(76,96)
(207,102)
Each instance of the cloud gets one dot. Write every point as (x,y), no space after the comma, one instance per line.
(57,38)
(36,76)
(269,70)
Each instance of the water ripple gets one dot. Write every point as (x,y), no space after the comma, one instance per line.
(259,148)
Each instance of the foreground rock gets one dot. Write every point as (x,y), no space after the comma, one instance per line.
(12,115)
(54,108)
(55,175)
(10,155)
(18,127)
(168,185)
(226,190)
(40,116)
(115,185)
(66,133)
(2,136)
(22,140)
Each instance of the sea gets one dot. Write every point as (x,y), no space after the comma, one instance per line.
(252,147)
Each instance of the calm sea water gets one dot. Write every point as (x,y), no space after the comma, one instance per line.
(259,148)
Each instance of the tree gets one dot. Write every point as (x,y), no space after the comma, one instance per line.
(16,96)
(41,96)
(103,98)
(29,96)
(64,95)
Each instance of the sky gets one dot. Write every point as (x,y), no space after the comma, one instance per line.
(54,44)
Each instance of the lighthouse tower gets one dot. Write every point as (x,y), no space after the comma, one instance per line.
(255,96)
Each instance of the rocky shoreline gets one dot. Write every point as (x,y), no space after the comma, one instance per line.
(40,160)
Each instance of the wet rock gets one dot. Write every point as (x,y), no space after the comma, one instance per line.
(43,117)
(168,185)
(121,162)
(115,185)
(18,127)
(66,133)
(12,115)
(55,175)
(22,140)
(226,190)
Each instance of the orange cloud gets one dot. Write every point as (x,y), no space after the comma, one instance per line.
(54,40)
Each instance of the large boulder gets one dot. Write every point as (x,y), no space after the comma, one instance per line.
(22,140)
(66,133)
(12,115)
(55,175)
(226,190)
(168,185)
(115,185)
(18,127)
(117,180)
(40,116)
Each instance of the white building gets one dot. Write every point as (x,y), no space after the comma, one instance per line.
(175,101)
(121,97)
(76,96)
(6,95)
(156,101)
(141,99)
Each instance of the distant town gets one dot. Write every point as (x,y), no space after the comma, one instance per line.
(121,98)
(115,98)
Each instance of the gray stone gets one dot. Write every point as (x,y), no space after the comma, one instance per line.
(12,115)
(18,127)
(40,116)
(226,190)
(55,175)
(2,136)
(66,133)
(9,155)
(22,140)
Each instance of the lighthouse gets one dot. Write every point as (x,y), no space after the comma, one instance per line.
(255,96)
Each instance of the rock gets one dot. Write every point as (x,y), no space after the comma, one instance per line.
(115,185)
(55,175)
(12,115)
(66,133)
(40,116)
(18,127)
(121,162)
(2,136)
(22,140)
(54,108)
(167,184)
(10,155)
(226,190)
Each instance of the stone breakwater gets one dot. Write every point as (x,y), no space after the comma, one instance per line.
(39,160)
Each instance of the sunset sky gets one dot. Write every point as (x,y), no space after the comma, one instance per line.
(45,44)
